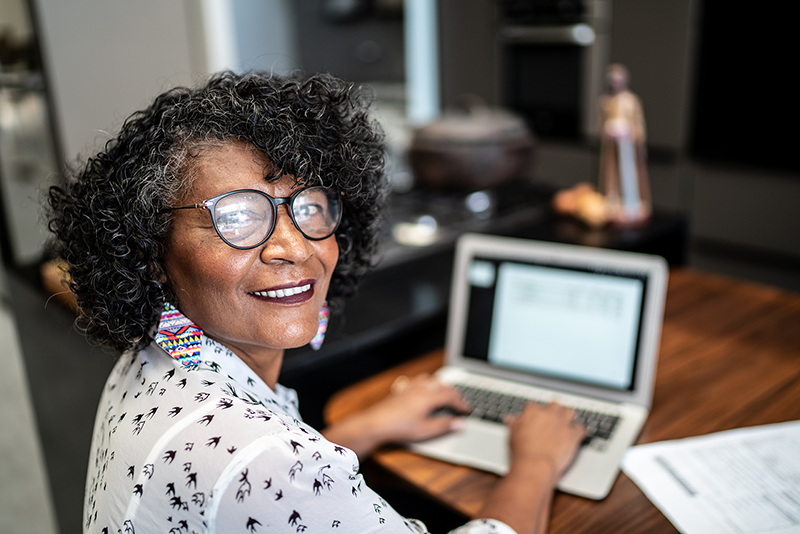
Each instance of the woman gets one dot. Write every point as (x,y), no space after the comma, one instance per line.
(182,255)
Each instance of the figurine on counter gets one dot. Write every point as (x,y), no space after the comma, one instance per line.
(622,196)
(623,170)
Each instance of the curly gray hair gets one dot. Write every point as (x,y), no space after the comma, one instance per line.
(109,220)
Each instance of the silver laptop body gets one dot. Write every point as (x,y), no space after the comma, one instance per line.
(576,325)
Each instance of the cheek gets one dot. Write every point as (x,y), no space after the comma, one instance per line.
(200,271)
(328,253)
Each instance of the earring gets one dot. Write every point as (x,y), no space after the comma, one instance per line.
(324,312)
(179,336)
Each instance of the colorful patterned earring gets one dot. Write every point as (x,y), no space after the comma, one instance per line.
(324,312)
(179,336)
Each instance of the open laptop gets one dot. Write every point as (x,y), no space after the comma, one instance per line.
(544,321)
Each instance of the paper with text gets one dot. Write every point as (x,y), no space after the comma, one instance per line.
(745,480)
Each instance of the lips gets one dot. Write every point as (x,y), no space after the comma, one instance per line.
(287,295)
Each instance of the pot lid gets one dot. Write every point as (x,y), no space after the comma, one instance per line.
(475,122)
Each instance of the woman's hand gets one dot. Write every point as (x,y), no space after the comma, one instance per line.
(545,433)
(408,413)
(543,443)
(405,415)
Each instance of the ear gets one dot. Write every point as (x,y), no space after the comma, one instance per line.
(159,273)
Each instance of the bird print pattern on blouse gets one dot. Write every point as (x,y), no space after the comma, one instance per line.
(213,449)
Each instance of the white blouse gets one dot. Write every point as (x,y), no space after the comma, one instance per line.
(214,449)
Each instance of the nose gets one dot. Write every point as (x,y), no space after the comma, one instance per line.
(286,243)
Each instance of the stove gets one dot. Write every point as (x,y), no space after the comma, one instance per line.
(424,221)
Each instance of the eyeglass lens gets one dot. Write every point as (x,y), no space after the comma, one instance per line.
(245,218)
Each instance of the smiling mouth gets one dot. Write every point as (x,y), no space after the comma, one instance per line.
(283,293)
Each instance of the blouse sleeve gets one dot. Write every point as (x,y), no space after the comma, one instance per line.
(484,526)
(296,481)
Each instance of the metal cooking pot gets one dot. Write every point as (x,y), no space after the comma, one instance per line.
(476,148)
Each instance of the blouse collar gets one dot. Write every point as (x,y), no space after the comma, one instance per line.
(244,383)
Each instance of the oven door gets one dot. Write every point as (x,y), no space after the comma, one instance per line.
(543,76)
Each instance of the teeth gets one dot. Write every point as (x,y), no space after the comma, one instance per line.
(286,292)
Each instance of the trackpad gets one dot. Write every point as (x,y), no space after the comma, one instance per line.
(480,444)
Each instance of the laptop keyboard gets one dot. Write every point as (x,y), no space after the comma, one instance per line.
(494,406)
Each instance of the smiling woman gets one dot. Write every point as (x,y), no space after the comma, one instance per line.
(316,130)
(252,300)
(203,241)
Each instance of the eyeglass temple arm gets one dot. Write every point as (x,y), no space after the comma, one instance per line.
(192,207)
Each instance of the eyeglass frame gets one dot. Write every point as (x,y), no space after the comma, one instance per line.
(211,203)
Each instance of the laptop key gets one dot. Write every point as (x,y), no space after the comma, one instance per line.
(495,406)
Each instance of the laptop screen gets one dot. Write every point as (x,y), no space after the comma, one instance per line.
(575,324)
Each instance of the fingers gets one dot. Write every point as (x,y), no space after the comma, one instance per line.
(553,420)
(409,413)
(399,385)
(554,409)
(402,383)
(550,419)
(431,391)
(568,416)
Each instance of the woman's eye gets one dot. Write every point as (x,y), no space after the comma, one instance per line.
(238,225)
(308,211)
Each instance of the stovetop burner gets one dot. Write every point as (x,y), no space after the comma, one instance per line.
(423,221)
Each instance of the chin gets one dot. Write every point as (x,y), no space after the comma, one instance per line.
(299,337)
(295,343)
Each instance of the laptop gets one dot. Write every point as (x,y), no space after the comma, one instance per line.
(551,322)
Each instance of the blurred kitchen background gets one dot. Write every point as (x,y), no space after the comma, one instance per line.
(721,126)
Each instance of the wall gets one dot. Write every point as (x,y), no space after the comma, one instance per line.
(655,41)
(470,52)
(265,35)
(363,47)
(107,59)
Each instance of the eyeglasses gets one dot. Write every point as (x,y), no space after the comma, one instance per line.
(245,218)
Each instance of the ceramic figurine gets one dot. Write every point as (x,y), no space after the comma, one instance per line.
(623,167)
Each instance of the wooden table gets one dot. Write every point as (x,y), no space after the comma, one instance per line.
(730,357)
